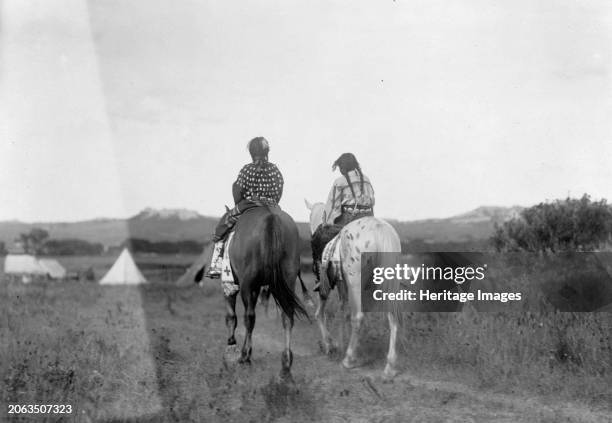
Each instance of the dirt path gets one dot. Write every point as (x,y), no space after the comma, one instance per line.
(324,391)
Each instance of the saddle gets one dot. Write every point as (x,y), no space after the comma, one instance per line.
(331,266)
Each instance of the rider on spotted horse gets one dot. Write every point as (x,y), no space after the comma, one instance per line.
(350,198)
(259,183)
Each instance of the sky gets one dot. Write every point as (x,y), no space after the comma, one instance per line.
(108,107)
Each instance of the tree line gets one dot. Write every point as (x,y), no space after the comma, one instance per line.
(38,242)
(139,245)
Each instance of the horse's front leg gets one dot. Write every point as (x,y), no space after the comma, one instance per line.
(231,320)
(287,356)
(305,294)
(249,299)
(327,342)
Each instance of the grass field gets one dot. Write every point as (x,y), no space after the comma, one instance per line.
(154,353)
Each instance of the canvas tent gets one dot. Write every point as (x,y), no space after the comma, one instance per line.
(26,265)
(23,264)
(123,272)
(53,268)
(203,260)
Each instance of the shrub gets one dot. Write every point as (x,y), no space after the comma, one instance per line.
(563,225)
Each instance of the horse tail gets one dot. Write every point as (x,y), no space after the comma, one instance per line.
(272,254)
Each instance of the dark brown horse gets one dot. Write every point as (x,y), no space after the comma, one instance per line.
(264,251)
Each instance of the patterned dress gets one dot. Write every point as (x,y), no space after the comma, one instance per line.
(261,182)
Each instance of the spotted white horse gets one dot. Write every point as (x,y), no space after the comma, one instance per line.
(368,234)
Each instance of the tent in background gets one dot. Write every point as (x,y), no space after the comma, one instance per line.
(53,268)
(203,260)
(23,264)
(123,272)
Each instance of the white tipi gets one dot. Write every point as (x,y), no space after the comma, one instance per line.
(123,272)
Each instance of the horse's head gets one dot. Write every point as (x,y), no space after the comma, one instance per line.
(317,214)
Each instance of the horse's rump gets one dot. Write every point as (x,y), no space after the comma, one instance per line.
(377,238)
(265,252)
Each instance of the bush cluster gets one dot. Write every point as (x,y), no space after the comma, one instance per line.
(563,225)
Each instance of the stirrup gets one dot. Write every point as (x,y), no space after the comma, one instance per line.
(213,274)
(317,286)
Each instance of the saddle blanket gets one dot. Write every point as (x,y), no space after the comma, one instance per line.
(330,260)
(227,276)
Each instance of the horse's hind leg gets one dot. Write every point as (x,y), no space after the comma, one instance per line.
(249,299)
(354,299)
(390,369)
(350,360)
(287,356)
(230,318)
(327,342)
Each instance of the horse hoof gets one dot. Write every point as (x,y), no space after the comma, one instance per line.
(328,348)
(286,377)
(350,363)
(389,373)
(332,349)
(245,360)
(231,354)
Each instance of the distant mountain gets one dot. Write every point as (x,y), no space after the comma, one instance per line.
(477,224)
(181,214)
(171,225)
(182,224)
(493,214)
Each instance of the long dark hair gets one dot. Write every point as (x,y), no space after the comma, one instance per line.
(347,162)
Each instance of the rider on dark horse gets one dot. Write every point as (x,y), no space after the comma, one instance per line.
(350,198)
(259,183)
